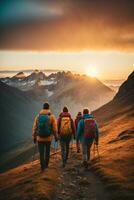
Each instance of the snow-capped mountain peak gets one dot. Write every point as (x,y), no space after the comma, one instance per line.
(20,75)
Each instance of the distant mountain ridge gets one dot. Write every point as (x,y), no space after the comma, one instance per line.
(76,91)
(121,103)
(19,75)
(35,75)
(126,91)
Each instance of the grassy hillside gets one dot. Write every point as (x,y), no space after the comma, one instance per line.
(17,112)
(116,121)
(26,182)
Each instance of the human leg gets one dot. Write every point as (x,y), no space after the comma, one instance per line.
(41,152)
(78,146)
(84,151)
(67,148)
(89,145)
(47,153)
(84,154)
(63,151)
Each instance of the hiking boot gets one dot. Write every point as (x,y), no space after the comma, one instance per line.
(46,166)
(42,170)
(64,164)
(78,150)
(85,164)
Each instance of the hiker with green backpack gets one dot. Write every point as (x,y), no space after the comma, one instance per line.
(66,129)
(87,133)
(45,126)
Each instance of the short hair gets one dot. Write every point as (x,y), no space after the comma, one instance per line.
(85,111)
(65,109)
(79,113)
(46,106)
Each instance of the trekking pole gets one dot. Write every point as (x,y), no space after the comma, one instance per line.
(34,152)
(96,149)
(72,145)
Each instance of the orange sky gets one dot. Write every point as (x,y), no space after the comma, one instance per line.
(105,65)
(74,35)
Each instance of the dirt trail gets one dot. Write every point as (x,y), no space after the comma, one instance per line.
(71,183)
(78,183)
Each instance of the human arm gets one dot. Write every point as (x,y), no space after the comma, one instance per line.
(54,127)
(80,128)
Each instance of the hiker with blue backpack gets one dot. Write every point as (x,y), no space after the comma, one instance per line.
(66,129)
(45,126)
(87,133)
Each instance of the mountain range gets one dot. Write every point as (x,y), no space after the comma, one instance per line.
(63,88)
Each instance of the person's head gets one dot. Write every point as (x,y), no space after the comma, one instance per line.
(65,109)
(85,111)
(79,114)
(46,106)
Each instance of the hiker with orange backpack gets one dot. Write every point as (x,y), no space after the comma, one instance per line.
(45,126)
(78,118)
(66,130)
(88,133)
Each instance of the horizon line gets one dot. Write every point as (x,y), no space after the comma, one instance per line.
(55,71)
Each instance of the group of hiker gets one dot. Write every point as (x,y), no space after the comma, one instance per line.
(84,129)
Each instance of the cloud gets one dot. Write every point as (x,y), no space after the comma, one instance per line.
(69,25)
(27,11)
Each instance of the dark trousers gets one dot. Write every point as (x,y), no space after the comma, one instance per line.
(65,143)
(78,146)
(44,150)
(86,148)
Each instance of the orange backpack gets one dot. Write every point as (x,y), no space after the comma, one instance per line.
(65,127)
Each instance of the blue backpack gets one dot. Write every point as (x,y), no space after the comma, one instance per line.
(44,126)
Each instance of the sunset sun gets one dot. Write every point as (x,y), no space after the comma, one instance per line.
(93,72)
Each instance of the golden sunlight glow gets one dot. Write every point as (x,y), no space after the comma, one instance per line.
(93,72)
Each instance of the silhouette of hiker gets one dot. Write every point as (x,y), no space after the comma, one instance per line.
(78,118)
(45,125)
(66,129)
(87,132)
